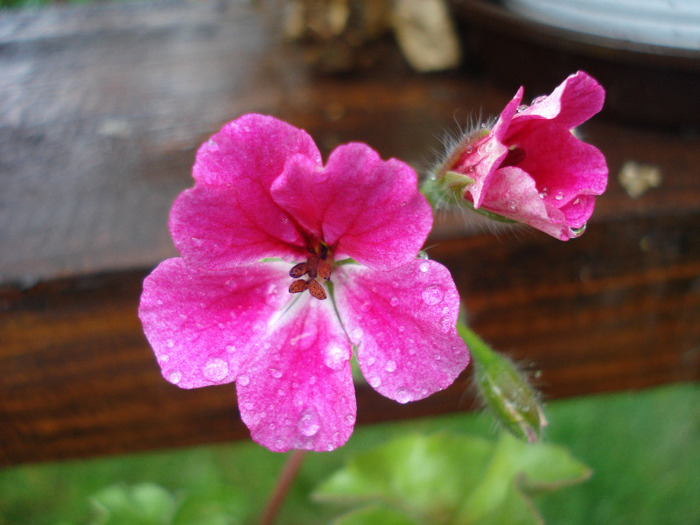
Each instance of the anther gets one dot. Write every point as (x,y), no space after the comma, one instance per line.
(298,270)
(298,286)
(315,289)
(324,269)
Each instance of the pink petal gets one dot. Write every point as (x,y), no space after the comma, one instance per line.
(366,208)
(299,392)
(250,152)
(573,102)
(201,325)
(514,195)
(403,322)
(482,158)
(562,165)
(220,228)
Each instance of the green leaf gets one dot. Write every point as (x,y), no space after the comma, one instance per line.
(142,504)
(455,479)
(374,515)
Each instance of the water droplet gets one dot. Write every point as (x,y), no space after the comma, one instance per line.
(559,196)
(402,396)
(544,192)
(357,333)
(170,343)
(243,380)
(371,361)
(336,356)
(432,295)
(375,381)
(411,351)
(276,373)
(447,325)
(350,419)
(230,349)
(175,377)
(197,241)
(579,231)
(390,366)
(512,205)
(164,358)
(216,369)
(159,302)
(402,328)
(424,267)
(309,422)
(394,301)
(248,405)
(312,380)
(285,220)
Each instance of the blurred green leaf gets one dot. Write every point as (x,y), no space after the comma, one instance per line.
(374,515)
(455,479)
(142,504)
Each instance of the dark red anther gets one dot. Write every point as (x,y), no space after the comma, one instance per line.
(298,286)
(316,289)
(298,270)
(324,269)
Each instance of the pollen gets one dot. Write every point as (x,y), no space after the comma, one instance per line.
(315,266)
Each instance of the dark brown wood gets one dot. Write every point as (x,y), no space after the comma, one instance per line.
(101,112)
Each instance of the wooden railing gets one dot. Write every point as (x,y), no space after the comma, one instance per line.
(101,111)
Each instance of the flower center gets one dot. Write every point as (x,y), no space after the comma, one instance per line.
(514,157)
(315,266)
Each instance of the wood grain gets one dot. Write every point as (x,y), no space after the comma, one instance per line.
(101,112)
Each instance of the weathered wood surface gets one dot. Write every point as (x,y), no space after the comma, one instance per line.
(101,111)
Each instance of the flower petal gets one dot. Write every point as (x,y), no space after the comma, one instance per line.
(250,152)
(480,160)
(219,228)
(561,165)
(201,325)
(299,392)
(573,102)
(362,206)
(514,195)
(403,322)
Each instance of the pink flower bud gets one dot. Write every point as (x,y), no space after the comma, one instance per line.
(530,167)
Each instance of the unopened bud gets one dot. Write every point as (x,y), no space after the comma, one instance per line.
(505,390)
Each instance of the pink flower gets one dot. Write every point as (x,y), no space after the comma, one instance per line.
(529,167)
(287,266)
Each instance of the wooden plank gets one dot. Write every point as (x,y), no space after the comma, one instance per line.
(79,378)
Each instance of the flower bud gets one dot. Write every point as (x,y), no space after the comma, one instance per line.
(529,167)
(505,390)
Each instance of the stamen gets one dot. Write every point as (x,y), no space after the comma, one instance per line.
(311,265)
(298,270)
(316,289)
(324,269)
(298,286)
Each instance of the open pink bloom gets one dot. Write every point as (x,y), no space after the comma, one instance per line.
(530,168)
(287,265)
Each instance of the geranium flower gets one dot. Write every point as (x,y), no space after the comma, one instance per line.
(529,167)
(287,265)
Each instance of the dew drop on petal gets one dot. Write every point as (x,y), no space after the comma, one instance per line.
(309,422)
(170,343)
(276,373)
(175,377)
(432,295)
(390,366)
(243,380)
(371,361)
(402,396)
(374,381)
(394,301)
(559,196)
(215,369)
(350,419)
(357,333)
(230,349)
(424,267)
(336,357)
